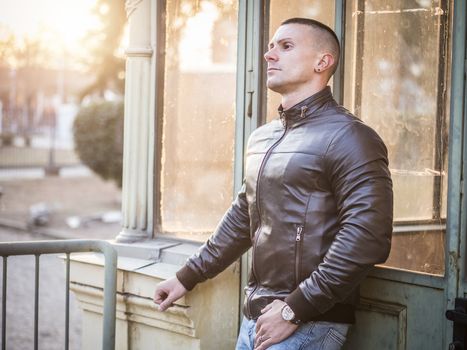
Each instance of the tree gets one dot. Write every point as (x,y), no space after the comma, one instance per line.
(7,47)
(104,61)
(22,63)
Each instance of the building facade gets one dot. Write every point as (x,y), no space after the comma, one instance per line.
(195,90)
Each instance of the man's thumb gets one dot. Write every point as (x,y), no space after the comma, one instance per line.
(165,304)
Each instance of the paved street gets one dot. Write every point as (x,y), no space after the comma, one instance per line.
(63,197)
(20,300)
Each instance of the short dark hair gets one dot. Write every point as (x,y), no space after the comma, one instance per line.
(321,27)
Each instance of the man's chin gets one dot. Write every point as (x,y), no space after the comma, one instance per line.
(274,86)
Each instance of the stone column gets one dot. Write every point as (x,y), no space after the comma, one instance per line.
(138,152)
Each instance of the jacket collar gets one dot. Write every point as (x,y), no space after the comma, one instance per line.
(305,108)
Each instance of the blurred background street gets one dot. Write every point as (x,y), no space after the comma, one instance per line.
(76,203)
(67,206)
(61,131)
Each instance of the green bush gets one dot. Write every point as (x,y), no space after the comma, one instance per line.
(98,136)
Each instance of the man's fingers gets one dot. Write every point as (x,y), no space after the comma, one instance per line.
(159,301)
(258,340)
(159,296)
(266,308)
(164,300)
(168,292)
(258,326)
(163,306)
(265,344)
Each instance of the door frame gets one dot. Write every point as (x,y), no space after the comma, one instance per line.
(457,186)
(251,93)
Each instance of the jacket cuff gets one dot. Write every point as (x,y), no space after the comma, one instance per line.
(301,307)
(188,278)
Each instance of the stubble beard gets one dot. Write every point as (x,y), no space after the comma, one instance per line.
(274,85)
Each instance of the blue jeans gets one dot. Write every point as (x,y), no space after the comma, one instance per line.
(312,336)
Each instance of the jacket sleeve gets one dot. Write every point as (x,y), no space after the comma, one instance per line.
(357,169)
(230,240)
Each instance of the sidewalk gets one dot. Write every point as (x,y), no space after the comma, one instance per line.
(20,157)
(64,197)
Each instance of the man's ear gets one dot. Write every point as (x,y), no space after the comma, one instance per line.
(326,61)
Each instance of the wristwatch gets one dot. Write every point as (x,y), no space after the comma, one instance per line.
(288,315)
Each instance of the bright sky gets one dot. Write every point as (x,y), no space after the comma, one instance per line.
(66,20)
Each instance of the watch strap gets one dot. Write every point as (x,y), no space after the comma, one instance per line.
(295,319)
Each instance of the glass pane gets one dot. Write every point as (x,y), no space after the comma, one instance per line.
(199,115)
(322,11)
(418,250)
(392,82)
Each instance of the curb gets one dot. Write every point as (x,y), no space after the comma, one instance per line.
(46,232)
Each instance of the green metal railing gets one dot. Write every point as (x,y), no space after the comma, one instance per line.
(38,248)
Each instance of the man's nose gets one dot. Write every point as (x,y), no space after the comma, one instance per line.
(270,55)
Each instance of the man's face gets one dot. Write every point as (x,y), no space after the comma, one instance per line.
(291,58)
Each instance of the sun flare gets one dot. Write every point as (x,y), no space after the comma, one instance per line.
(61,24)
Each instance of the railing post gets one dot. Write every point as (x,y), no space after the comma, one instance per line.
(67,302)
(36,303)
(5,269)
(110,296)
(66,246)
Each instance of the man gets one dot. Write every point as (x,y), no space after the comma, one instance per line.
(316,206)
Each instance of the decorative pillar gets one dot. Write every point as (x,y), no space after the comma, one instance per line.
(138,149)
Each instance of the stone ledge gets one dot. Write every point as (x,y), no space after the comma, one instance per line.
(205,318)
(137,309)
(158,250)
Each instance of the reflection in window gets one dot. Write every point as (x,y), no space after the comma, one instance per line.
(394,82)
(322,11)
(198,123)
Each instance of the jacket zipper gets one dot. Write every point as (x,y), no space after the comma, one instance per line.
(258,208)
(298,253)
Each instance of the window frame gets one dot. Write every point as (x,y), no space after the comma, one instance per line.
(251,92)
(159,37)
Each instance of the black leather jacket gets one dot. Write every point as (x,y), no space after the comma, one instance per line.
(316,206)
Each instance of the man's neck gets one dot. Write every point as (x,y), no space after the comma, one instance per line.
(291,99)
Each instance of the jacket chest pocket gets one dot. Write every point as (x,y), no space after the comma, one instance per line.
(303,171)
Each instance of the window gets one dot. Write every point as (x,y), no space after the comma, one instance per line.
(394,81)
(199,116)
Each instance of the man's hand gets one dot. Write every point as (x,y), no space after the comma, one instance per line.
(271,328)
(167,292)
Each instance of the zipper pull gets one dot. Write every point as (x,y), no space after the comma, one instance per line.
(283,119)
(298,238)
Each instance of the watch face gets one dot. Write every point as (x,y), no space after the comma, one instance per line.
(287,313)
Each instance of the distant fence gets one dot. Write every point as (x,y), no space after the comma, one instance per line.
(37,248)
(30,157)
